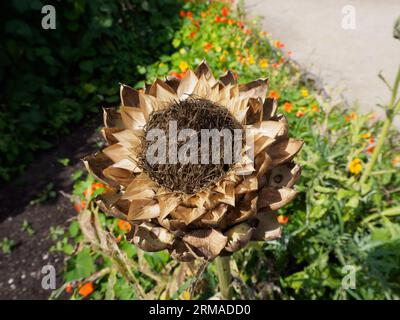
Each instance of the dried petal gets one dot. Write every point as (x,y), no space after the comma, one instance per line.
(268,227)
(274,199)
(208,243)
(238,237)
(129,96)
(150,237)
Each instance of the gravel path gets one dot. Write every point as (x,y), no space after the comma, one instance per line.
(349,58)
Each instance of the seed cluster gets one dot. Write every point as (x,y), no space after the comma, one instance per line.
(196,114)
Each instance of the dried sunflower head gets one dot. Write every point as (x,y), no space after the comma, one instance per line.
(209,206)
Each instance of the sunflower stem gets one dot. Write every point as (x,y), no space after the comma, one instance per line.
(224,276)
(392,110)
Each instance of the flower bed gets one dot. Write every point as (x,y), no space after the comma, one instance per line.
(341,223)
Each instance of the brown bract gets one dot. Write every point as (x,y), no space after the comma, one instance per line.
(226,213)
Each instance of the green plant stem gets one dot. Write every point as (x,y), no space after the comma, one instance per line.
(386,213)
(224,277)
(392,110)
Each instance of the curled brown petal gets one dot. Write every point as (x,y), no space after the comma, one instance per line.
(269,108)
(95,164)
(254,113)
(207,243)
(111,204)
(255,89)
(129,96)
(267,228)
(173,82)
(181,252)
(108,135)
(121,176)
(283,151)
(284,176)
(238,237)
(112,118)
(150,237)
(228,78)
(204,70)
(273,199)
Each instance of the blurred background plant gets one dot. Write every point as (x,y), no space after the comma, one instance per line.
(52,79)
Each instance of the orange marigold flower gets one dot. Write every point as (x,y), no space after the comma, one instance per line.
(68,287)
(203,14)
(273,94)
(300,114)
(239,24)
(372,140)
(231,22)
(176,74)
(192,35)
(315,108)
(366,135)
(217,18)
(224,11)
(97,185)
(86,289)
(352,116)
(279,44)
(370,149)
(189,14)
(282,219)
(182,13)
(207,47)
(119,238)
(79,206)
(288,107)
(396,161)
(124,226)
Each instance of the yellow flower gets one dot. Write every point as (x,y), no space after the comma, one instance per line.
(185,295)
(183,66)
(355,166)
(263,63)
(366,135)
(232,44)
(304,92)
(222,58)
(182,51)
(251,60)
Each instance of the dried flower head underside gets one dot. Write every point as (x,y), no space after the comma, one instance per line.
(194,210)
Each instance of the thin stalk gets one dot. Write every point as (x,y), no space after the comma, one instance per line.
(224,277)
(393,109)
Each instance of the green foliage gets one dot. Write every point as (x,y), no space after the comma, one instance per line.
(335,221)
(26,227)
(50,78)
(6,245)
